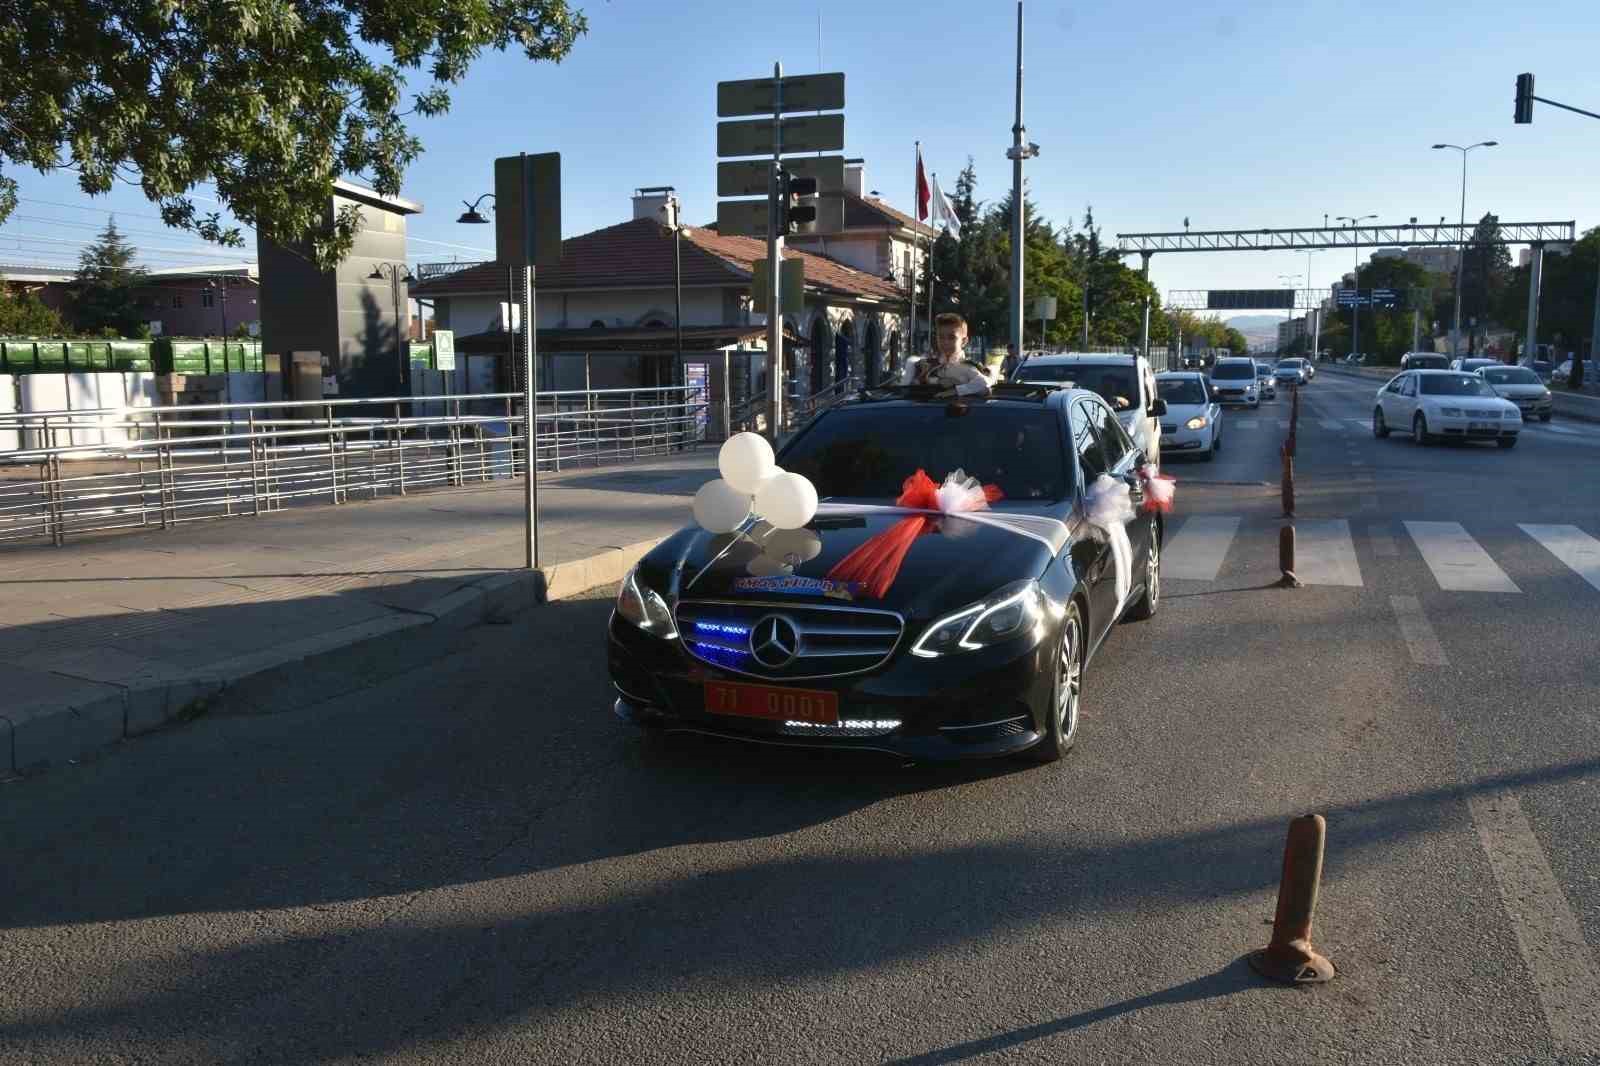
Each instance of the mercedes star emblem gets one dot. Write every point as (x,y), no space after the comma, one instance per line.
(774,641)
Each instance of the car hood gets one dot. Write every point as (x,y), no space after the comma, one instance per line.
(952,562)
(1520,392)
(1470,404)
(1182,412)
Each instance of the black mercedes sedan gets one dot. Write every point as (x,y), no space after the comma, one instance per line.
(928,635)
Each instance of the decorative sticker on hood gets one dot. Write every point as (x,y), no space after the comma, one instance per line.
(788,584)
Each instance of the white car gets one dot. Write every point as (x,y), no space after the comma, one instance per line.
(1445,405)
(1193,421)
(1234,381)
(1520,385)
(1125,382)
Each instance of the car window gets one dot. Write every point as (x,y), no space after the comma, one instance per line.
(1181,390)
(1117,384)
(1231,371)
(1091,456)
(1455,385)
(1113,438)
(1408,385)
(1510,375)
(869,450)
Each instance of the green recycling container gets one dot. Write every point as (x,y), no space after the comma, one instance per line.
(78,355)
(173,356)
(130,355)
(99,354)
(17,357)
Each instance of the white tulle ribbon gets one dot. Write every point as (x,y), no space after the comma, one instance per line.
(1109,509)
(1051,532)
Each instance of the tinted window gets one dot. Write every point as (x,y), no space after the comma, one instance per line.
(1091,456)
(1233,370)
(1454,385)
(1117,385)
(1181,390)
(869,450)
(1511,375)
(1427,362)
(1113,441)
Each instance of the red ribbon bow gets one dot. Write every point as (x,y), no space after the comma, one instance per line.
(875,563)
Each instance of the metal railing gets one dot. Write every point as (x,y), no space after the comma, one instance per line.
(66,473)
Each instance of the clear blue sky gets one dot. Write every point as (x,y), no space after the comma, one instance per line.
(1238,115)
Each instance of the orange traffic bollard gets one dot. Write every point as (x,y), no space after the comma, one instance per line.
(1286,580)
(1288,481)
(1290,957)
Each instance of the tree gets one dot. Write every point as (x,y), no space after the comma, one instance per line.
(105,294)
(25,315)
(268,101)
(1566,296)
(1486,273)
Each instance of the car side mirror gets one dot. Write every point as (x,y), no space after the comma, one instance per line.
(1158,407)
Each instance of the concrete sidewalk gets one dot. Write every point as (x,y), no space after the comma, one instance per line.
(116,635)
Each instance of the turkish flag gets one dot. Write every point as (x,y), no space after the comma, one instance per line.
(924,192)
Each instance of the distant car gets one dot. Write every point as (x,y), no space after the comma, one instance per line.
(1265,383)
(1290,372)
(1445,405)
(1522,387)
(1473,365)
(1424,361)
(1234,381)
(1193,422)
(1355,359)
(1126,382)
(1310,368)
(1563,373)
(1543,367)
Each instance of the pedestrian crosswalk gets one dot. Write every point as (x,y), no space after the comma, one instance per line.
(1364,425)
(1329,551)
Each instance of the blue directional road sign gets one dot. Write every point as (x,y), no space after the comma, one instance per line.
(1367,297)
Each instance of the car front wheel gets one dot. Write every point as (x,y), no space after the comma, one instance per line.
(1419,430)
(1380,428)
(1066,693)
(1151,599)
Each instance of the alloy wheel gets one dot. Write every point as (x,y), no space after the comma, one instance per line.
(1069,678)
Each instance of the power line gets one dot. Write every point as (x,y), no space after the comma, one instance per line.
(112,211)
(233,255)
(447,244)
(97,227)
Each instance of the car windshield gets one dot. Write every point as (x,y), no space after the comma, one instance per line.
(1232,370)
(1262,370)
(1427,362)
(1181,390)
(1114,383)
(868,451)
(1454,385)
(1289,364)
(1511,375)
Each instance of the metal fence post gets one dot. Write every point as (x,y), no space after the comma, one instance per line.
(161,470)
(255,483)
(400,440)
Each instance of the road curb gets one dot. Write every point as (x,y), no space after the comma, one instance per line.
(311,669)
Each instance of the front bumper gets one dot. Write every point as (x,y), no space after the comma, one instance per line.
(981,704)
(1244,396)
(1454,428)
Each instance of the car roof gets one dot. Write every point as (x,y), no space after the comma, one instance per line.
(1082,357)
(1009,395)
(1180,374)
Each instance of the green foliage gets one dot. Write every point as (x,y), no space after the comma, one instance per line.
(104,297)
(1566,296)
(267,100)
(1486,273)
(23,315)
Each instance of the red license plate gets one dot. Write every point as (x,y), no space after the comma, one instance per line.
(772,702)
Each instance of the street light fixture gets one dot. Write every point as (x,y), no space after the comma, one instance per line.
(1355,307)
(471,216)
(1461,251)
(396,274)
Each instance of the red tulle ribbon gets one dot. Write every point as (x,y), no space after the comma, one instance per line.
(1159,490)
(875,563)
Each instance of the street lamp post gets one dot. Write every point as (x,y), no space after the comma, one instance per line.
(396,274)
(472,217)
(1461,251)
(1291,278)
(1020,149)
(1355,307)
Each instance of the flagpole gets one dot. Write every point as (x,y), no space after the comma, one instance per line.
(911,342)
(930,260)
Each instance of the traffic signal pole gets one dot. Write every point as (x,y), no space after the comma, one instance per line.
(775,265)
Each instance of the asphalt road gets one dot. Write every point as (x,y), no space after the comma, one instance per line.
(473,862)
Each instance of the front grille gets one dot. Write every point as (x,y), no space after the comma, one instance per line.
(1165,428)
(988,731)
(829,641)
(850,727)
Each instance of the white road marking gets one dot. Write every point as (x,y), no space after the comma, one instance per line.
(1369,501)
(1283,423)
(1197,551)
(1362,422)
(1248,423)
(1548,933)
(1324,553)
(1572,546)
(1424,647)
(1332,423)
(1457,562)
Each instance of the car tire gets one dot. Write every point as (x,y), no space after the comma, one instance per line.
(1066,694)
(1145,608)
(1545,417)
(1506,442)
(1380,428)
(1419,430)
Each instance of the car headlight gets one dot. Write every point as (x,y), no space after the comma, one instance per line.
(1512,414)
(644,608)
(1011,612)
(1546,395)
(1450,412)
(1197,422)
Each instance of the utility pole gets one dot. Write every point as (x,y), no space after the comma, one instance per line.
(1020,149)
(775,264)
(1461,232)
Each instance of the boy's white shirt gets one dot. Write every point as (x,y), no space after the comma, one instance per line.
(966,380)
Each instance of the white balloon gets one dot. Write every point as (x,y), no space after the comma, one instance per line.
(793,546)
(719,507)
(745,459)
(787,500)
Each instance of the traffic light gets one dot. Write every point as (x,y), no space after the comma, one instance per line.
(794,215)
(1524,111)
